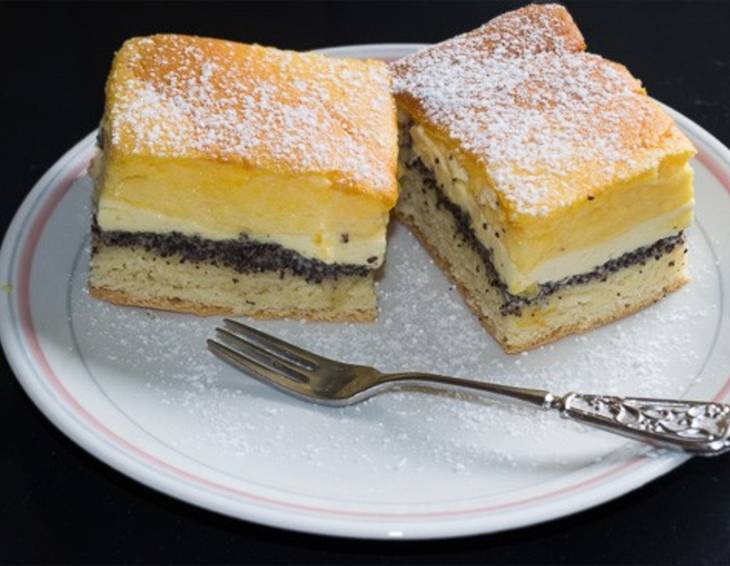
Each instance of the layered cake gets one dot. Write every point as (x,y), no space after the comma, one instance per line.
(241,179)
(547,184)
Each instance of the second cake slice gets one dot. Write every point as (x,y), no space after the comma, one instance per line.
(546,182)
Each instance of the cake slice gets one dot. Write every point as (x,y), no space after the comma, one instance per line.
(546,183)
(243,179)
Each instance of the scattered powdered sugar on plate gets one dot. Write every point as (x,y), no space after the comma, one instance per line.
(155,367)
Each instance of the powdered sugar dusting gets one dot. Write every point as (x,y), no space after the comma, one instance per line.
(549,122)
(402,445)
(181,96)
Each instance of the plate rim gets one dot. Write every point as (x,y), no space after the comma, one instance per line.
(125,462)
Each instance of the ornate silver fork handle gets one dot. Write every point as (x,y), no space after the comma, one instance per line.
(696,427)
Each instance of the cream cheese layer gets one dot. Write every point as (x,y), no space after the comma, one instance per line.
(492,229)
(324,246)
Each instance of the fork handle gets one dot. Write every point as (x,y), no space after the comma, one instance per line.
(537,397)
(696,427)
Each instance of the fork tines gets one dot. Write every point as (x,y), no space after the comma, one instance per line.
(265,357)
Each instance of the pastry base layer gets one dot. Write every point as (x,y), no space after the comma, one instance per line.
(573,309)
(135,277)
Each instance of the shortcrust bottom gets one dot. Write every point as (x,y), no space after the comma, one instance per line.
(132,276)
(572,309)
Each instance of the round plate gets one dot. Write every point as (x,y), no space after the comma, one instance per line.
(138,389)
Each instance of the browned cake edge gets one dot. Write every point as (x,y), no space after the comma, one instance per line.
(179,305)
(556,334)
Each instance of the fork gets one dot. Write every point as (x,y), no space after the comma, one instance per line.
(695,427)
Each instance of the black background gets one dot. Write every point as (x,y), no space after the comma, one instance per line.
(59,504)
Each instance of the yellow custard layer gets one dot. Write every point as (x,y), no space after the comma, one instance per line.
(217,200)
(532,249)
(217,139)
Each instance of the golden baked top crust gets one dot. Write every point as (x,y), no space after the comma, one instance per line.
(545,123)
(184,97)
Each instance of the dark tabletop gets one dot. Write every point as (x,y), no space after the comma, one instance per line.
(60,504)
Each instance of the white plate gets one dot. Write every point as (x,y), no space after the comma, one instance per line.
(139,390)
